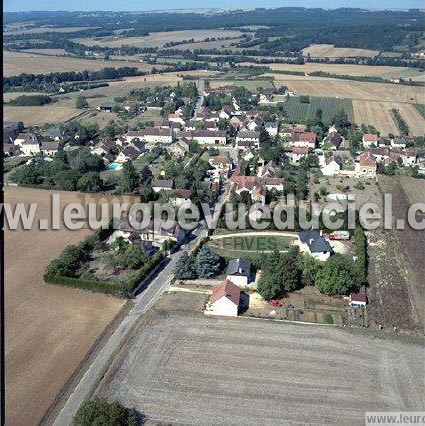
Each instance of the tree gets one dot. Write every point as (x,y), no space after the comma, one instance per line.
(185,268)
(309,268)
(130,178)
(145,174)
(338,275)
(90,182)
(207,262)
(81,102)
(100,412)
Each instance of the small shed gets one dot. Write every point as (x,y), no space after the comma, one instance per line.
(358,300)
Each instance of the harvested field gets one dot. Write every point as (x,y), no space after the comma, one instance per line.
(378,115)
(49,52)
(189,369)
(15,63)
(320,86)
(345,69)
(396,267)
(330,51)
(160,38)
(216,44)
(49,329)
(39,115)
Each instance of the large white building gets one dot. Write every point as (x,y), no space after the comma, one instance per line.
(206,137)
(151,135)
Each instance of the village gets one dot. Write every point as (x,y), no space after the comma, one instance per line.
(221,145)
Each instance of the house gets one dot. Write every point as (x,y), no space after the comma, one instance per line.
(313,242)
(184,143)
(107,106)
(370,140)
(296,153)
(237,121)
(206,137)
(332,141)
(226,113)
(128,153)
(398,143)
(225,300)
(358,300)
(303,139)
(180,197)
(271,183)
(28,143)
(271,128)
(268,170)
(239,272)
(247,139)
(366,166)
(162,185)
(221,163)
(151,135)
(254,124)
(50,148)
(11,130)
(329,166)
(176,118)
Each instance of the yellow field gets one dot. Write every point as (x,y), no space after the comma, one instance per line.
(344,69)
(41,30)
(217,44)
(160,38)
(330,87)
(15,63)
(378,115)
(328,50)
(39,115)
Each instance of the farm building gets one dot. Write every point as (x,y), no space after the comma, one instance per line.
(239,272)
(358,300)
(225,300)
(370,140)
(206,137)
(315,244)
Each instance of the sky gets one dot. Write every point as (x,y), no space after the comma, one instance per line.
(139,5)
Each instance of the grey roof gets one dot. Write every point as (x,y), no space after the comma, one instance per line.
(316,243)
(161,183)
(239,267)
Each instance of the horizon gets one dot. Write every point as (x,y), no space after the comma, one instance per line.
(10,6)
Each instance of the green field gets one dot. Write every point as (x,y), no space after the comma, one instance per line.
(298,111)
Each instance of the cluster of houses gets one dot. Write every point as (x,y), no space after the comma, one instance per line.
(29,144)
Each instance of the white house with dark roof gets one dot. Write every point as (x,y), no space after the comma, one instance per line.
(313,242)
(162,185)
(239,272)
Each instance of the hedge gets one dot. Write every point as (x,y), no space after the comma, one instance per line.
(114,289)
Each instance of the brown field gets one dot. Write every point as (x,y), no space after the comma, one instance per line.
(39,115)
(330,51)
(185,368)
(317,86)
(49,329)
(15,63)
(41,30)
(343,69)
(50,52)
(396,267)
(378,115)
(160,38)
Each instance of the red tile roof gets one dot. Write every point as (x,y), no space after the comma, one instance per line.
(356,297)
(226,289)
(367,159)
(369,137)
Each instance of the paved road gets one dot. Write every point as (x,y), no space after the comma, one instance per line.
(143,302)
(200,100)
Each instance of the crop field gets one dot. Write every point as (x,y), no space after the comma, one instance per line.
(378,115)
(330,51)
(298,111)
(396,267)
(185,368)
(349,69)
(15,63)
(160,38)
(421,109)
(216,44)
(48,52)
(320,86)
(39,115)
(50,329)
(249,84)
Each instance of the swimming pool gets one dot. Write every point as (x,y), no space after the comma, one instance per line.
(114,166)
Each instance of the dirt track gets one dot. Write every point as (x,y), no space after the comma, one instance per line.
(49,329)
(188,369)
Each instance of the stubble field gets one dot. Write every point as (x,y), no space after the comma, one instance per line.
(15,63)
(48,329)
(378,115)
(189,369)
(330,51)
(160,38)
